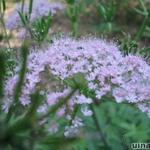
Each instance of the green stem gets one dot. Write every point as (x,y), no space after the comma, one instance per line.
(60,103)
(142,28)
(4,28)
(94,116)
(74,114)
(74,29)
(18,89)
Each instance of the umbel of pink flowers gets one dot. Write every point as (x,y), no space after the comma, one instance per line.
(105,69)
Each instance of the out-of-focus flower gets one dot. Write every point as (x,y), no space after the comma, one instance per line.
(40,8)
(53,128)
(81,99)
(73,130)
(86,111)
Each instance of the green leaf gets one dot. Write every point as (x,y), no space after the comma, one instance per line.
(30,6)
(102,11)
(70,82)
(23,18)
(80,80)
(41,27)
(139,11)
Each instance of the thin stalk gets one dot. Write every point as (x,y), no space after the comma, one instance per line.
(143,26)
(94,116)
(60,103)
(30,8)
(18,89)
(22,5)
(75,29)
(4,29)
(143,5)
(74,114)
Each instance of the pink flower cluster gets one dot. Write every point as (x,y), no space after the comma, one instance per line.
(127,78)
(40,8)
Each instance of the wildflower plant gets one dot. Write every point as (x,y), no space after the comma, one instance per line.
(93,67)
(59,91)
